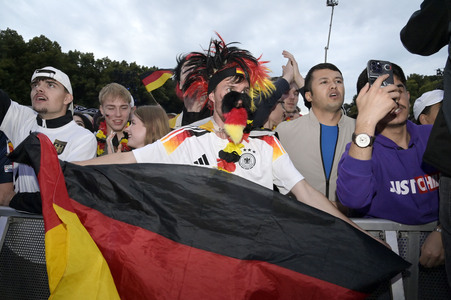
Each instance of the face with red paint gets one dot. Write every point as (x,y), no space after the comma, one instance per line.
(217,95)
(116,111)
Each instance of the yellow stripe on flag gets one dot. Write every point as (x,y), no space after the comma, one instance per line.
(159,82)
(76,268)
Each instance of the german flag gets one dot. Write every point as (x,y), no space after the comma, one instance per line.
(186,232)
(76,268)
(154,79)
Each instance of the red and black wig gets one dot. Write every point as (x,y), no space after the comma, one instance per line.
(205,70)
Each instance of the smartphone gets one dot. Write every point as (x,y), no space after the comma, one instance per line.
(376,68)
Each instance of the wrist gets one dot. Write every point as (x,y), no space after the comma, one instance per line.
(362,140)
(365,126)
(288,78)
(300,82)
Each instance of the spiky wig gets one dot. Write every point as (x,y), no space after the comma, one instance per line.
(204,71)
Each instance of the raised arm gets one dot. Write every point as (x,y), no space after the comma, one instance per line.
(373,104)
(426,32)
(297,77)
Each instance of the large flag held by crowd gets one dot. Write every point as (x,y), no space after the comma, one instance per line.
(158,231)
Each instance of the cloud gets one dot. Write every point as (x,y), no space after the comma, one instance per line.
(154,33)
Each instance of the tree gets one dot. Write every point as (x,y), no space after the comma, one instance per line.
(19,59)
(350,109)
(12,50)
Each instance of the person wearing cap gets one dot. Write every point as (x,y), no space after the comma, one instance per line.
(232,76)
(51,100)
(427,106)
(116,105)
(381,173)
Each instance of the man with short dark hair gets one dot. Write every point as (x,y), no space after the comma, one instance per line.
(381,174)
(315,141)
(52,100)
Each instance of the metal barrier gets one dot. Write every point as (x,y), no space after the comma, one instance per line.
(406,240)
(23,273)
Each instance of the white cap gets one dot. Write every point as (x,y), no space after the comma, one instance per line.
(61,77)
(425,100)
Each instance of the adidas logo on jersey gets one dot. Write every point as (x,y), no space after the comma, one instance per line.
(202,161)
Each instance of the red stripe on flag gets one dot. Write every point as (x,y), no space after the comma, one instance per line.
(155,79)
(53,187)
(75,266)
(146,265)
(155,75)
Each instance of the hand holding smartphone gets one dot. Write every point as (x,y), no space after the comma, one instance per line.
(376,68)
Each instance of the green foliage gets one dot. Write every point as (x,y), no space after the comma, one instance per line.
(351,108)
(417,85)
(19,59)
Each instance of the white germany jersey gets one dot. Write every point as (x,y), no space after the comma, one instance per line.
(72,142)
(263,159)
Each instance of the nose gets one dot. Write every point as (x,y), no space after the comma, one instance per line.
(38,86)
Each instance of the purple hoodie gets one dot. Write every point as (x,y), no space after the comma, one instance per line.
(395,184)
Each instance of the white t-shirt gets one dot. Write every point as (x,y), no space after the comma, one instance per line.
(263,159)
(72,142)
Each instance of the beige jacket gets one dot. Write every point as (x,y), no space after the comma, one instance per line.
(301,139)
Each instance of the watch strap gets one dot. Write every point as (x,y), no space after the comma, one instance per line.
(354,137)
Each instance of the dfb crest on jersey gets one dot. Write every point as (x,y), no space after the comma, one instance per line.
(59,146)
(247,160)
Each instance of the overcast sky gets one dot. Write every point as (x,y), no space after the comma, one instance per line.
(154,33)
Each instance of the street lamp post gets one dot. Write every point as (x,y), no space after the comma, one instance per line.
(331,3)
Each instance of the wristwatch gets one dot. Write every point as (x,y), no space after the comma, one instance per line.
(362,140)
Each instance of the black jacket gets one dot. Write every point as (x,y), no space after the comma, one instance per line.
(426,32)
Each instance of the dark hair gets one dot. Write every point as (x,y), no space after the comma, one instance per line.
(363,77)
(425,111)
(309,78)
(181,59)
(87,123)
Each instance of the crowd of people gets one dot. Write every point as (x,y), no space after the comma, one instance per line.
(238,119)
